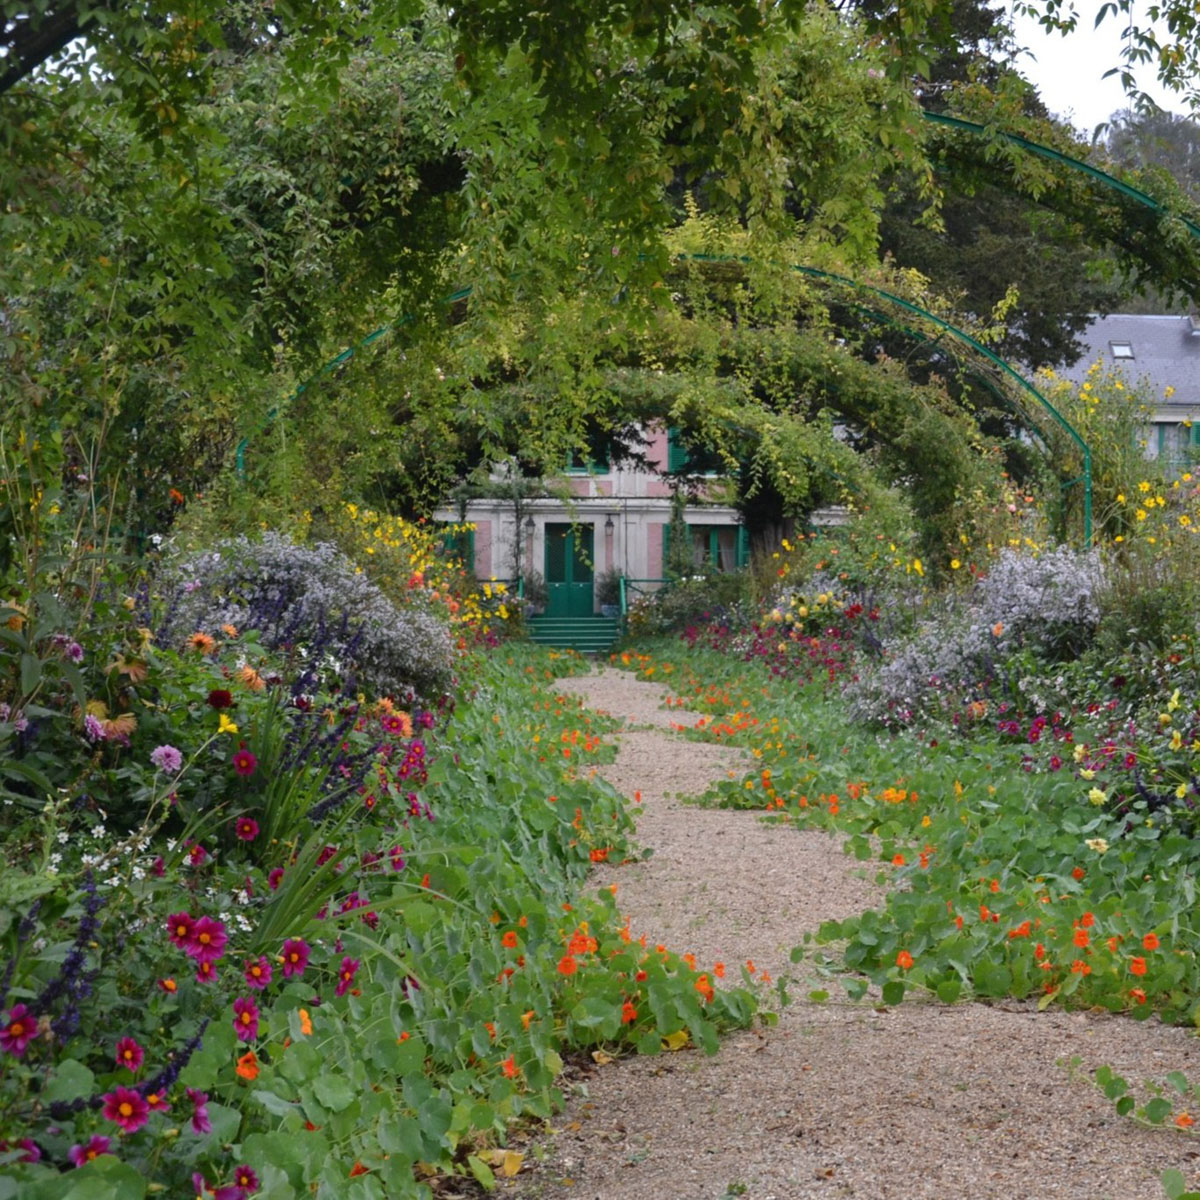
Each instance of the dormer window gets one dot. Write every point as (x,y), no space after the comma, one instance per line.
(1121,349)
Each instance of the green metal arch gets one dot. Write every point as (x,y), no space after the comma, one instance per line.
(1056,156)
(959,334)
(967,340)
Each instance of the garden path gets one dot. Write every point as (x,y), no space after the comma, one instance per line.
(837,1100)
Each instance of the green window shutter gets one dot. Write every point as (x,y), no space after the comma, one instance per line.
(743,546)
(677,454)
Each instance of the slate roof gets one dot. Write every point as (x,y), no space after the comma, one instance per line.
(1166,351)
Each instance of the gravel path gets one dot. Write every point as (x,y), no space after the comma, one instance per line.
(840,1100)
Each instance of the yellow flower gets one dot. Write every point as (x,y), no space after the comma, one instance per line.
(1087,773)
(1097,797)
(225,725)
(1140,514)
(1181,791)
(954,564)
(1097,844)
(1173,703)
(1079,753)
(1143,486)
(1176,740)
(1120,497)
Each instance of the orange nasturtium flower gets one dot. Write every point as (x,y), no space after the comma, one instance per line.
(305,1022)
(1150,941)
(1137,966)
(904,960)
(1078,873)
(1081,937)
(247,1066)
(1137,995)
(567,965)
(509,940)
(628,1013)
(509,1066)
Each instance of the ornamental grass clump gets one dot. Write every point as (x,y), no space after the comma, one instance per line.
(311,598)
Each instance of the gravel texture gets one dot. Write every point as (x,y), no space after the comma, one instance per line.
(969,1102)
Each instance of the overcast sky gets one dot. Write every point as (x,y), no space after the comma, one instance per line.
(1068,69)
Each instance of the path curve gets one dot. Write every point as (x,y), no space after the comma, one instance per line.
(921,1101)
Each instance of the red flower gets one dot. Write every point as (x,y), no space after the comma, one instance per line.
(346,973)
(567,965)
(179,929)
(206,971)
(509,1066)
(1137,966)
(1078,873)
(169,986)
(244,1177)
(126,1108)
(19,1030)
(129,1054)
(244,763)
(246,829)
(1150,941)
(245,1019)
(509,940)
(96,1146)
(208,939)
(295,957)
(628,1013)
(220,698)
(258,972)
(247,1066)
(904,960)
(274,877)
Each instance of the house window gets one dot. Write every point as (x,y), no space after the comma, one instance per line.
(458,541)
(1121,349)
(692,461)
(1174,444)
(715,548)
(595,460)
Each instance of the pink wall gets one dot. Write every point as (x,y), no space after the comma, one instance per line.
(656,453)
(652,568)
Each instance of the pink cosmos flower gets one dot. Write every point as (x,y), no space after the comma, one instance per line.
(96,1146)
(245,1019)
(246,829)
(274,877)
(244,763)
(229,1191)
(179,929)
(126,1108)
(18,1031)
(258,972)
(130,1054)
(346,973)
(208,939)
(33,1152)
(197,854)
(295,957)
(206,971)
(200,1121)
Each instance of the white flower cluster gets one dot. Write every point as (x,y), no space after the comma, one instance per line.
(313,594)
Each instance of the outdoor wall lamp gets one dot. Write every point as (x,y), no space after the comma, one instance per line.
(608,524)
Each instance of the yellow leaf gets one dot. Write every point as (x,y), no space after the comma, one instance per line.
(676,1041)
(599,1056)
(512,1163)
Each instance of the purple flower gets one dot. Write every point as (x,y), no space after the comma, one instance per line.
(96,1146)
(200,1121)
(274,877)
(93,727)
(167,759)
(33,1152)
(244,763)
(18,1031)
(295,957)
(126,1108)
(245,1019)
(130,1054)
(346,973)
(75,652)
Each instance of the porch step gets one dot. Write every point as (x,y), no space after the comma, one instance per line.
(588,635)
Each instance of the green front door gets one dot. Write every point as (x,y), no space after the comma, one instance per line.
(569,551)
